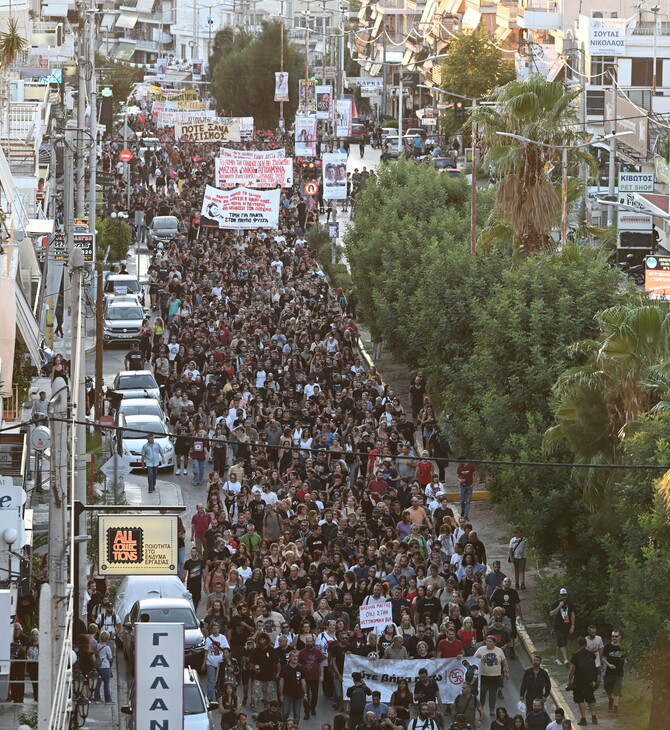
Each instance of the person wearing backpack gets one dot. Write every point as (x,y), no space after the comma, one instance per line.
(583,676)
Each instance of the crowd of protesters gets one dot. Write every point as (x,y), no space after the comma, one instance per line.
(322,489)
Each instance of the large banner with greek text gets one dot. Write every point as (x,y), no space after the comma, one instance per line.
(254,173)
(384,674)
(253,154)
(170,118)
(208,131)
(240,208)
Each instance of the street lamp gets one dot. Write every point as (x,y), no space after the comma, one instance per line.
(563,149)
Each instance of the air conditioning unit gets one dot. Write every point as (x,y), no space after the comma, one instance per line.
(604,14)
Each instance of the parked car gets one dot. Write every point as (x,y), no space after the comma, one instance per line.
(166,611)
(136,587)
(134,437)
(196,705)
(123,317)
(123,284)
(136,384)
(163,228)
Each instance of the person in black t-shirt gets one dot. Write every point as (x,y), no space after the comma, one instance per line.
(614,658)
(134,359)
(292,688)
(194,569)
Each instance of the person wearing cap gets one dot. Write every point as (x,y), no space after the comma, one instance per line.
(563,612)
(109,621)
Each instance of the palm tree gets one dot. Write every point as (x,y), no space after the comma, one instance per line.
(539,110)
(12,43)
(626,375)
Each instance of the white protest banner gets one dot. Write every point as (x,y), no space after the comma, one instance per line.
(246,125)
(383,674)
(343,118)
(253,154)
(254,173)
(375,615)
(159,675)
(169,119)
(324,102)
(240,208)
(607,36)
(208,131)
(335,176)
(175,106)
(281,86)
(305,136)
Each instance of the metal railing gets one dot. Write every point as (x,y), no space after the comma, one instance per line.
(649,28)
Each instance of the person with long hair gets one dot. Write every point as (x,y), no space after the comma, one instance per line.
(229,706)
(402,699)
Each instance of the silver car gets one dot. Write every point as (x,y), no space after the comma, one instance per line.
(166,611)
(123,317)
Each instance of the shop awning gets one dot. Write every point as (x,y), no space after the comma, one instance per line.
(126,20)
(123,51)
(27,325)
(107,22)
(144,6)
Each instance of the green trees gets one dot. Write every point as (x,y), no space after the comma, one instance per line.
(540,110)
(243,75)
(475,66)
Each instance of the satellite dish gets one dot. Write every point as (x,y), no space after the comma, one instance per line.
(643,7)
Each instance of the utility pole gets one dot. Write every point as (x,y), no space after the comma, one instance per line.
(93,129)
(99,343)
(78,436)
(613,151)
(81,119)
(281,59)
(68,214)
(52,604)
(473,189)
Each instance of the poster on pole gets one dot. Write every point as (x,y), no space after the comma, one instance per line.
(208,131)
(343,118)
(159,674)
(335,176)
(305,136)
(307,95)
(240,208)
(324,102)
(253,154)
(254,173)
(281,86)
(383,674)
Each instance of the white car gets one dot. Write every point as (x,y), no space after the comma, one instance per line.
(135,433)
(142,407)
(196,705)
(134,588)
(136,384)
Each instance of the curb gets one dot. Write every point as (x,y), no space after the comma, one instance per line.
(556,694)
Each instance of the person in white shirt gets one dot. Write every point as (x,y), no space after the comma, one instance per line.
(232,486)
(559,716)
(595,644)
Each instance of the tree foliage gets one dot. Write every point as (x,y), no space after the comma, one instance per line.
(475,65)
(243,77)
(541,111)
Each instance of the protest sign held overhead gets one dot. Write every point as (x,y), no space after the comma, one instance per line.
(240,208)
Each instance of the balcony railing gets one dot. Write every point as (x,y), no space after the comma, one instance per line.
(646,27)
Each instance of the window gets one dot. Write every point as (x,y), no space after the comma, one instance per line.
(595,103)
(602,68)
(642,73)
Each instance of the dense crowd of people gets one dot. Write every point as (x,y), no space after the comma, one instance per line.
(322,490)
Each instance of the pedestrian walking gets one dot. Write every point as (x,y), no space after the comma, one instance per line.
(582,681)
(517,556)
(493,669)
(193,576)
(105,656)
(199,456)
(152,457)
(613,658)
(215,643)
(563,612)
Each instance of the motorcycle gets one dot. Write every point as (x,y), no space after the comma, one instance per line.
(632,270)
